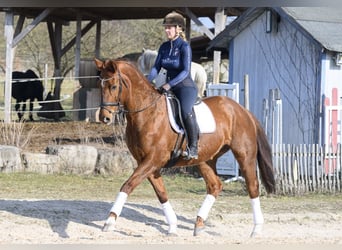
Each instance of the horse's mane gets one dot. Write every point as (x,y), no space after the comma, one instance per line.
(134,67)
(128,62)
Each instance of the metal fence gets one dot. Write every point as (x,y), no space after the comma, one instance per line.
(302,169)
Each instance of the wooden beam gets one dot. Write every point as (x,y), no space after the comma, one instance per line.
(73,41)
(201,26)
(20,25)
(31,26)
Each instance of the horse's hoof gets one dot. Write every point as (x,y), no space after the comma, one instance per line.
(256,232)
(172,230)
(198,230)
(172,235)
(109,225)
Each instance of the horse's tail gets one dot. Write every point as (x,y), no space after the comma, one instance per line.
(264,157)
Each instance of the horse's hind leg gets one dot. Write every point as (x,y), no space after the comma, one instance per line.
(248,169)
(158,185)
(214,187)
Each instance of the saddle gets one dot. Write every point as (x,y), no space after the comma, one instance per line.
(204,116)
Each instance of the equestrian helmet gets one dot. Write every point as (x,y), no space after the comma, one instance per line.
(174,18)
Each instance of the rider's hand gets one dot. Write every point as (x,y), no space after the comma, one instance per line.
(165,88)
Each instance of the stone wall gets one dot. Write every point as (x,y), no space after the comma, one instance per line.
(69,159)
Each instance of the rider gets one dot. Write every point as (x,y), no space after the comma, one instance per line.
(175,56)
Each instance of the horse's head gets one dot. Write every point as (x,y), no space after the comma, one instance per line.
(111,84)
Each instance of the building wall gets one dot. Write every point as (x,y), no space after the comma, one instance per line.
(286,60)
(331,76)
(331,79)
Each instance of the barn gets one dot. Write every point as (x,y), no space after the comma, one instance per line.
(292,57)
(61,13)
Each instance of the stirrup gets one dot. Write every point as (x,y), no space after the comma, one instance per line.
(187,155)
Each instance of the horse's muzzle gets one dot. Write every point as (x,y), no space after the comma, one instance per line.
(106,115)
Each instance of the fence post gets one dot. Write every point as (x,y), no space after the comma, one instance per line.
(246,82)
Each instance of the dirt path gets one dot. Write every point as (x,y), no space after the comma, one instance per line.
(142,222)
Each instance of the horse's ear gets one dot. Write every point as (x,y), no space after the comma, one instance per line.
(98,63)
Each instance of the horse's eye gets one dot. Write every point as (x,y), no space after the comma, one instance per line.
(113,87)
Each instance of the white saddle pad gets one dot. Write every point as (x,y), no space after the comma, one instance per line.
(204,117)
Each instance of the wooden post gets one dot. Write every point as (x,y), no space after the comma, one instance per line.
(220,21)
(9,64)
(78,45)
(98,40)
(246,81)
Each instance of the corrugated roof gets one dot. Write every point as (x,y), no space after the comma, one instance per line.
(324,24)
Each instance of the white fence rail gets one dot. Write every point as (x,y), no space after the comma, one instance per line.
(225,89)
(302,169)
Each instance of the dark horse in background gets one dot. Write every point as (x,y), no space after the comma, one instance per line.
(26,87)
(151,140)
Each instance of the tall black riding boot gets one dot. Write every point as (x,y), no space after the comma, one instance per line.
(192,132)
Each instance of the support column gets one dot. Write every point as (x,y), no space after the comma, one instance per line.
(78,45)
(220,22)
(98,40)
(9,32)
(57,71)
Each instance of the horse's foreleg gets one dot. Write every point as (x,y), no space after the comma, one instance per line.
(139,174)
(158,185)
(17,109)
(31,110)
(115,212)
(23,110)
(214,187)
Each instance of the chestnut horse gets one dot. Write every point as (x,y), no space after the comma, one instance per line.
(150,139)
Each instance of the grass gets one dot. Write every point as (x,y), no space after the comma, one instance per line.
(57,186)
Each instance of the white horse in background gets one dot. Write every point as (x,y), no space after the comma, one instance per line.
(199,75)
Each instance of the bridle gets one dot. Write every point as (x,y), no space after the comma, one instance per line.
(121,109)
(105,105)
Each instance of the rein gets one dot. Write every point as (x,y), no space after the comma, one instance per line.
(118,104)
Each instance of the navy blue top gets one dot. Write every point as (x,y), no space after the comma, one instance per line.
(175,57)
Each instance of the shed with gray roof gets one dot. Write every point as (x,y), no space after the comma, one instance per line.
(292,56)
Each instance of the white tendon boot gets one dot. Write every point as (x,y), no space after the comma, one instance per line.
(258,218)
(171,217)
(117,208)
(204,211)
